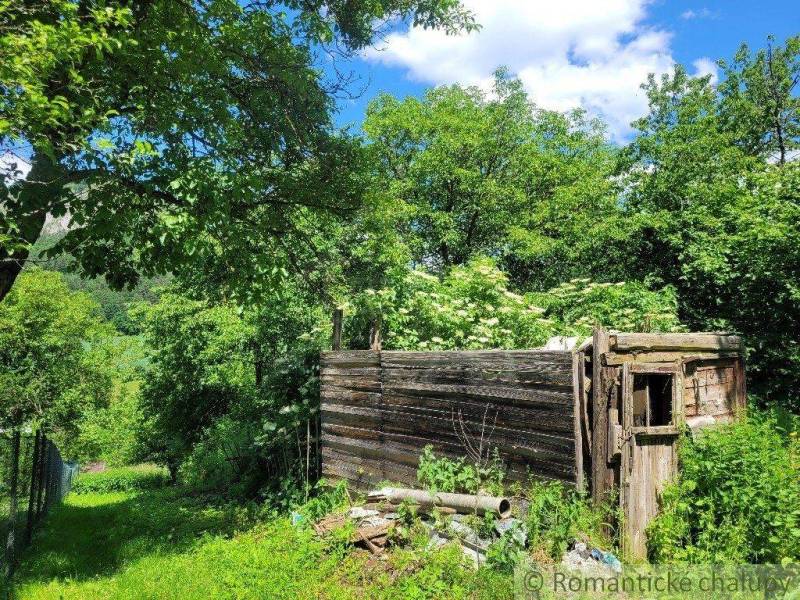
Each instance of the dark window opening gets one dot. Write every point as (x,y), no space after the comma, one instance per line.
(652,399)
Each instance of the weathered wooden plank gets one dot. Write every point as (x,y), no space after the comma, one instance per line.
(577,373)
(350,371)
(550,416)
(399,421)
(493,395)
(348,397)
(675,341)
(405,472)
(425,436)
(558,378)
(511,358)
(360,383)
(616,358)
(350,358)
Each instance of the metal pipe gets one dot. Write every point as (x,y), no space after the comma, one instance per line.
(463,503)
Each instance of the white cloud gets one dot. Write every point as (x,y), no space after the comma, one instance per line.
(13,168)
(703,13)
(705,66)
(569,53)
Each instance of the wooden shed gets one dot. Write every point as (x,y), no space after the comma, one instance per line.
(606,414)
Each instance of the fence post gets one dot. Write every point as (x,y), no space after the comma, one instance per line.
(42,475)
(59,477)
(12,513)
(34,485)
(48,471)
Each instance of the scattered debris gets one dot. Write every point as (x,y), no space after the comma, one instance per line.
(477,557)
(592,561)
(359,512)
(329,523)
(469,537)
(375,521)
(372,530)
(436,540)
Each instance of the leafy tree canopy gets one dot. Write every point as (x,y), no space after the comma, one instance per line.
(179,132)
(469,173)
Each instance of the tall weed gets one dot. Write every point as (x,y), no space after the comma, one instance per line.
(737,499)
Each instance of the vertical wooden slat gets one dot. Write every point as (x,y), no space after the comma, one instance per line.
(375,341)
(577,390)
(628,448)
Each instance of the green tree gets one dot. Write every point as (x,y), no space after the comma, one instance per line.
(54,365)
(759,104)
(178,133)
(201,366)
(228,390)
(54,91)
(710,216)
(468,173)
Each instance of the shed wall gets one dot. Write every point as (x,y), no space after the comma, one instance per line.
(380,409)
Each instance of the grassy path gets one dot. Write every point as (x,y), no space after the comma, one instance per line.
(163,545)
(166,544)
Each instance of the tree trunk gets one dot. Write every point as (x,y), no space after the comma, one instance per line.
(172,467)
(27,209)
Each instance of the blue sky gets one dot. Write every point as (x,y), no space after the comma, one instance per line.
(573,52)
(590,53)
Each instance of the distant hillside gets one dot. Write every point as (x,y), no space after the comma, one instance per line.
(113,303)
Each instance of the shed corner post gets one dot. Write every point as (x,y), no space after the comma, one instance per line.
(602,475)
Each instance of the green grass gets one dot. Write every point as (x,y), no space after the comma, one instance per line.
(122,479)
(169,543)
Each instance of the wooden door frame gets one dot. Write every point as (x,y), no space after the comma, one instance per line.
(630,432)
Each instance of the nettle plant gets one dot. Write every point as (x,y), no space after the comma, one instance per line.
(471,308)
(439,474)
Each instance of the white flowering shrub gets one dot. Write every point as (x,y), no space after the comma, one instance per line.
(472,308)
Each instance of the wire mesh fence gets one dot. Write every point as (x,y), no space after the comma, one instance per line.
(33,479)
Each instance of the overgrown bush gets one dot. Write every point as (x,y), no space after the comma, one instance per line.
(738,496)
(124,479)
(111,434)
(557,515)
(225,459)
(472,307)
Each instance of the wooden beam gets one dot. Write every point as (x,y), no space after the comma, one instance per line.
(375,341)
(617,358)
(675,341)
(336,341)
